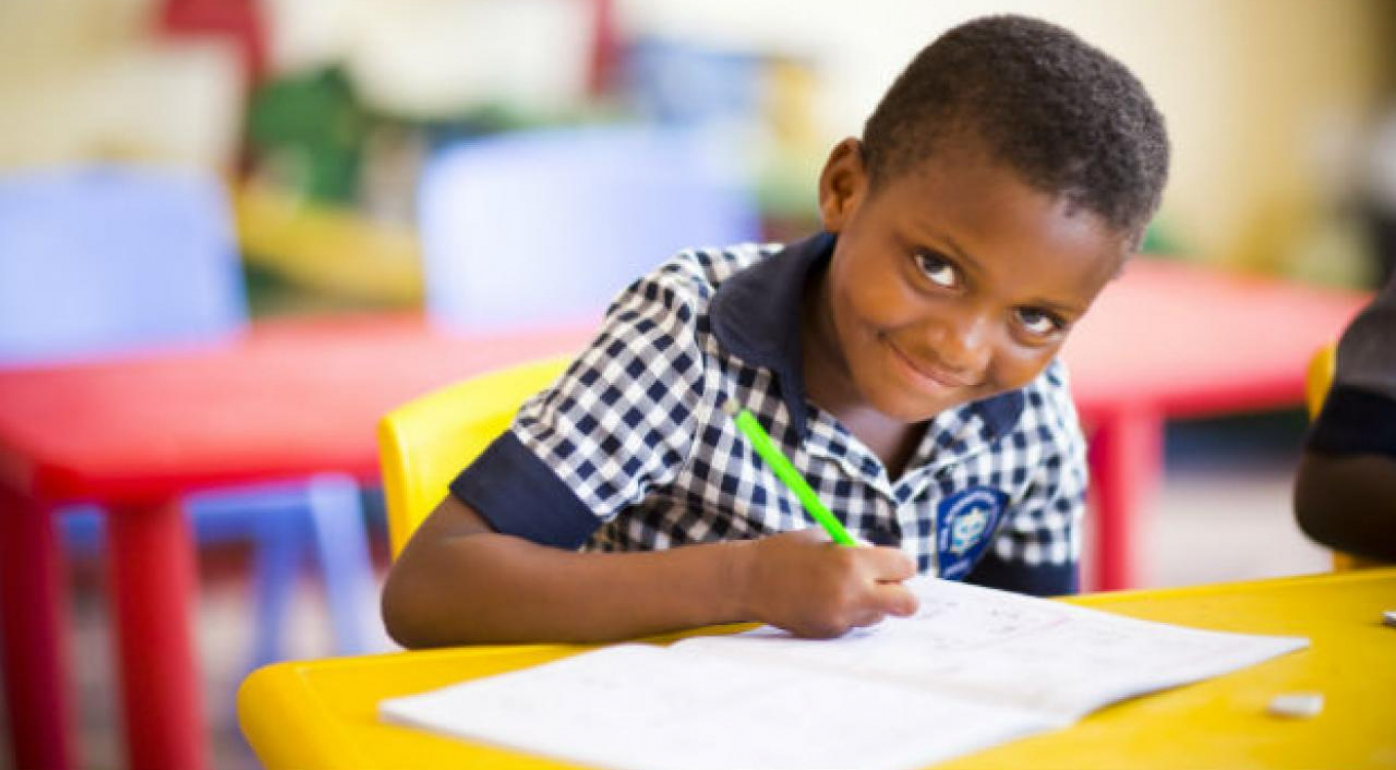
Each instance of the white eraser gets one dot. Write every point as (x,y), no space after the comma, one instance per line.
(1389,618)
(1297,705)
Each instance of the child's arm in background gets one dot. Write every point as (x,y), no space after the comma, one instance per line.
(1348,502)
(458,581)
(1345,489)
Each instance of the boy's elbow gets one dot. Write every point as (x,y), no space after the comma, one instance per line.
(423,604)
(401,618)
(415,612)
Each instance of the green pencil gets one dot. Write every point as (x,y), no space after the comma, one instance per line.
(785,471)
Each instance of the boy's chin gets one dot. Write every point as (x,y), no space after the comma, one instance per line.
(912,408)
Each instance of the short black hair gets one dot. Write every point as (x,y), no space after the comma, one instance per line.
(1070,119)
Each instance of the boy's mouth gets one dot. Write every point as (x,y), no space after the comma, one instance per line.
(930,377)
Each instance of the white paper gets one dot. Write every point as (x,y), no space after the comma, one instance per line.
(1001,646)
(641,707)
(974,668)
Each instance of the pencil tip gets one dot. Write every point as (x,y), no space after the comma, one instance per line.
(729,406)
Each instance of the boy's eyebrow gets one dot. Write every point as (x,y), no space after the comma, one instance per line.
(957,250)
(1059,307)
(959,253)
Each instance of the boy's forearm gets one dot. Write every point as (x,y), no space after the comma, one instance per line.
(488,587)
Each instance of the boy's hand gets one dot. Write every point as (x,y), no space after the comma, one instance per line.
(804,583)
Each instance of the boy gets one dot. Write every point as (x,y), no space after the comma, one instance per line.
(904,359)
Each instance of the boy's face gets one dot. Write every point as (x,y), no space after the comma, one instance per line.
(953,282)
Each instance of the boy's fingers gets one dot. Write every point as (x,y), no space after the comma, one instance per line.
(869,619)
(891,564)
(895,599)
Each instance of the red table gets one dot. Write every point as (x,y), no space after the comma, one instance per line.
(287,400)
(1174,340)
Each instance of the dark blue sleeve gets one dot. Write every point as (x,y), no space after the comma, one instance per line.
(1359,414)
(1355,421)
(1036,580)
(519,495)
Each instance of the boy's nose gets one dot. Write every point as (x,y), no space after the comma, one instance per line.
(961,344)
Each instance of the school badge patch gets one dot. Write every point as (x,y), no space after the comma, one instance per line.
(965,523)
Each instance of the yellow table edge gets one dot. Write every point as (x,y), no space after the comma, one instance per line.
(1112,597)
(276,701)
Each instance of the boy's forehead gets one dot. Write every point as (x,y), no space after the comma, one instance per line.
(984,210)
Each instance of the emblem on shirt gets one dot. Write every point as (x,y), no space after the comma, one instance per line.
(966,529)
(965,523)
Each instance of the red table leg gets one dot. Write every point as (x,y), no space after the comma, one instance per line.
(33,645)
(1126,457)
(152,591)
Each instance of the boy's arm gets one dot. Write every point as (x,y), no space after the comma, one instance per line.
(458,581)
(496,561)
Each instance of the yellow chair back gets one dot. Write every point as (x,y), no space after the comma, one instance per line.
(423,444)
(1321,371)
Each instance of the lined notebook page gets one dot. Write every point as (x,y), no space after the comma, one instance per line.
(972,669)
(640,707)
(1000,646)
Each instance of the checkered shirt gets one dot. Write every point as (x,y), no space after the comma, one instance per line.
(630,449)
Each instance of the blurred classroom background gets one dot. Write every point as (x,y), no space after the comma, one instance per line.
(320,116)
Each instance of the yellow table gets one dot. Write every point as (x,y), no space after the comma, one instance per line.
(321,714)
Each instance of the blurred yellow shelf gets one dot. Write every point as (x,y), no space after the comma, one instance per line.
(328,249)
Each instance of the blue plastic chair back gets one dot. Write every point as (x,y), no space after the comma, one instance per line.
(106,260)
(549,226)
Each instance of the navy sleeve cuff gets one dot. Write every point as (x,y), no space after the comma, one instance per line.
(1355,421)
(1038,580)
(519,495)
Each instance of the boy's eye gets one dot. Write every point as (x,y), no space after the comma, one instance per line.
(936,268)
(1038,322)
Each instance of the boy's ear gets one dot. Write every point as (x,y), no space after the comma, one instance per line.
(842,185)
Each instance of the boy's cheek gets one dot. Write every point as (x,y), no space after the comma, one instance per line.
(1012,371)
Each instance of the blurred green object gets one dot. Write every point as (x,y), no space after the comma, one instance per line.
(308,244)
(1159,239)
(307,132)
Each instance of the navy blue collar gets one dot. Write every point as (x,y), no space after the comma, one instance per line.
(756,315)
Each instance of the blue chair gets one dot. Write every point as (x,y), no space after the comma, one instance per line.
(548,226)
(114,261)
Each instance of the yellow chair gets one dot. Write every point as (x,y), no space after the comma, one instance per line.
(1322,368)
(423,444)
